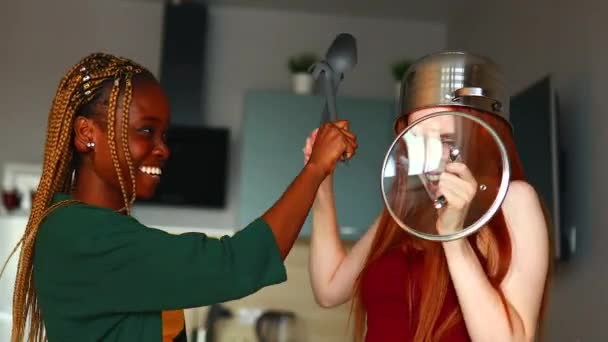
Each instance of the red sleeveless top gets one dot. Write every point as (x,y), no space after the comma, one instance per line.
(384,296)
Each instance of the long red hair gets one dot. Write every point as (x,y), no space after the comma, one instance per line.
(492,243)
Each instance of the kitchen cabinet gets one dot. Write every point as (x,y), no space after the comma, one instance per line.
(12,228)
(275,127)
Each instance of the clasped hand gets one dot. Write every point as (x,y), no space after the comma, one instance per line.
(459,187)
(329,143)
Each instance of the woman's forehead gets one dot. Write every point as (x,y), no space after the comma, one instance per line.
(438,125)
(426,111)
(441,123)
(149,99)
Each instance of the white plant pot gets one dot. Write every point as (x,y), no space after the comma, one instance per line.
(397,90)
(302,83)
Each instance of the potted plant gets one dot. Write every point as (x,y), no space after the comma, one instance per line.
(398,69)
(301,79)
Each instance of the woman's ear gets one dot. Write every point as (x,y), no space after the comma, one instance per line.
(84,134)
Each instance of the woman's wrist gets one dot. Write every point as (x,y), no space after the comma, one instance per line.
(326,189)
(456,247)
(328,184)
(316,171)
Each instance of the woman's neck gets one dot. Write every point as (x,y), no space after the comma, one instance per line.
(91,189)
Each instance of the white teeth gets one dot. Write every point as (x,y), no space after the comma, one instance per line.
(151,170)
(433,178)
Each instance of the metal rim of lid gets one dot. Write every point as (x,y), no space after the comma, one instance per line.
(486,217)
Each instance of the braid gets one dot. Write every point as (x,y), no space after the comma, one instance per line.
(125,140)
(81,86)
(112,138)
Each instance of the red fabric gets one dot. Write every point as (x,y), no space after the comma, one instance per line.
(385,298)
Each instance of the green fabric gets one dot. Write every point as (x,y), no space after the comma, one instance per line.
(104,276)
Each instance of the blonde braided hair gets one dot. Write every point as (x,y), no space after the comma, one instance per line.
(81,86)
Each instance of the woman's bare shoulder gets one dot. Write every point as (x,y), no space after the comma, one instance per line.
(524,214)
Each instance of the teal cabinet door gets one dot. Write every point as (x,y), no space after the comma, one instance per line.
(275,127)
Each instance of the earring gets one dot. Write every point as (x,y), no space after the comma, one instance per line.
(90,144)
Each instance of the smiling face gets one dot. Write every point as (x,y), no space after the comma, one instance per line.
(148,121)
(428,145)
(148,124)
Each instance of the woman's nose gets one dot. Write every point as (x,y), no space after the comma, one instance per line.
(162,151)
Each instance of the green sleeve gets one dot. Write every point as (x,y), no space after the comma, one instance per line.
(112,263)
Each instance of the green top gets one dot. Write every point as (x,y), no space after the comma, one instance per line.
(100,275)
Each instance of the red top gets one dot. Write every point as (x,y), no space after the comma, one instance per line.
(384,296)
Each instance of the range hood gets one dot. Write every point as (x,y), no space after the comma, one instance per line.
(182,76)
(183,59)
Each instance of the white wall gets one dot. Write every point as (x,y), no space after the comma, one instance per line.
(249,48)
(567,38)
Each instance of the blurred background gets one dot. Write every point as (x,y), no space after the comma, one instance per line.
(243,104)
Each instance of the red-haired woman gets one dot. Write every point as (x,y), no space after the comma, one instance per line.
(489,286)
